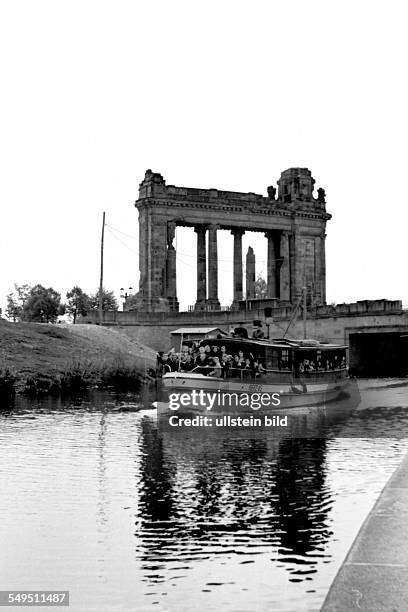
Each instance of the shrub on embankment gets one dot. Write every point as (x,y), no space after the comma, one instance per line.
(79,376)
(7,385)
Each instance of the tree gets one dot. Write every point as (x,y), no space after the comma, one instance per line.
(43,305)
(23,293)
(133,301)
(16,301)
(261,289)
(78,303)
(109,302)
(13,308)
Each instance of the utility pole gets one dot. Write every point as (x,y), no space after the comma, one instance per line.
(304,289)
(101,277)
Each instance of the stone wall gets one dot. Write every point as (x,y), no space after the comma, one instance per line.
(328,323)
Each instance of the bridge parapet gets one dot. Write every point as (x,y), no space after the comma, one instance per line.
(260,309)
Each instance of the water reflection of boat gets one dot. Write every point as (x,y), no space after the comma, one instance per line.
(231,498)
(289,374)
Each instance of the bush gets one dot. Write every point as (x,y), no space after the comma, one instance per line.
(7,385)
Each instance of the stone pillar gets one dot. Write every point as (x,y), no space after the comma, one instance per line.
(237,233)
(152,261)
(302,267)
(272,265)
(292,267)
(201,268)
(171,268)
(212,301)
(317,297)
(250,274)
(323,267)
(284,278)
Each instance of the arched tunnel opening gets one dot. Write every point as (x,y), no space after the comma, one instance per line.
(382,354)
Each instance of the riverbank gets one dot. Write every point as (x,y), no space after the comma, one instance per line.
(373,575)
(37,359)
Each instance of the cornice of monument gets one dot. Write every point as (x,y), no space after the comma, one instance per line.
(157,203)
(295,197)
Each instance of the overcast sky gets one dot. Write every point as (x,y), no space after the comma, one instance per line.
(221,93)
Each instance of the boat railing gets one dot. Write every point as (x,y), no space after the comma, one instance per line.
(249,373)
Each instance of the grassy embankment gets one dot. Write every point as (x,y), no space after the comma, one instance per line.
(37,359)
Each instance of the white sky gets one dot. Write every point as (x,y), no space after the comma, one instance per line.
(221,93)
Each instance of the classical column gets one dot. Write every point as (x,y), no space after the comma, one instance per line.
(323,266)
(271,277)
(171,271)
(250,274)
(201,267)
(292,267)
(302,267)
(317,297)
(284,277)
(237,233)
(213,268)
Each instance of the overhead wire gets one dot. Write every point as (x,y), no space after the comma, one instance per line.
(121,241)
(180,252)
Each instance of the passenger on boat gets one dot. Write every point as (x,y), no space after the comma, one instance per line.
(235,367)
(164,363)
(258,333)
(207,350)
(225,365)
(215,352)
(248,369)
(186,363)
(174,362)
(241,331)
(201,361)
(258,368)
(217,371)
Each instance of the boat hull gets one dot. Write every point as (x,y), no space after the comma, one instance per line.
(236,396)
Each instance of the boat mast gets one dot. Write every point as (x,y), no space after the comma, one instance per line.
(294,315)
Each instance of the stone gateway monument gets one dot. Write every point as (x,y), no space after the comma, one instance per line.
(291,217)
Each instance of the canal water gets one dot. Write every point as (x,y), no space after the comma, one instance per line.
(98,500)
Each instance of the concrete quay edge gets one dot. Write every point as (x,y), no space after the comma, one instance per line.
(374,574)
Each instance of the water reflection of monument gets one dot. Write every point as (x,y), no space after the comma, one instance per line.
(211,495)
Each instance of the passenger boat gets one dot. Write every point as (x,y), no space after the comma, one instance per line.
(293,373)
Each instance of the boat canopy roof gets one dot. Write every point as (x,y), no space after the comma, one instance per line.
(198,330)
(282,343)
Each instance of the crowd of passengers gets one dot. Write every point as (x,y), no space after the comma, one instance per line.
(212,361)
(320,365)
(217,361)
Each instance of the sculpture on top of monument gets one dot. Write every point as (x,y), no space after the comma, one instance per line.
(321,195)
(271,192)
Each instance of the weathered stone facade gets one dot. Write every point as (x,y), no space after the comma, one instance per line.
(294,223)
